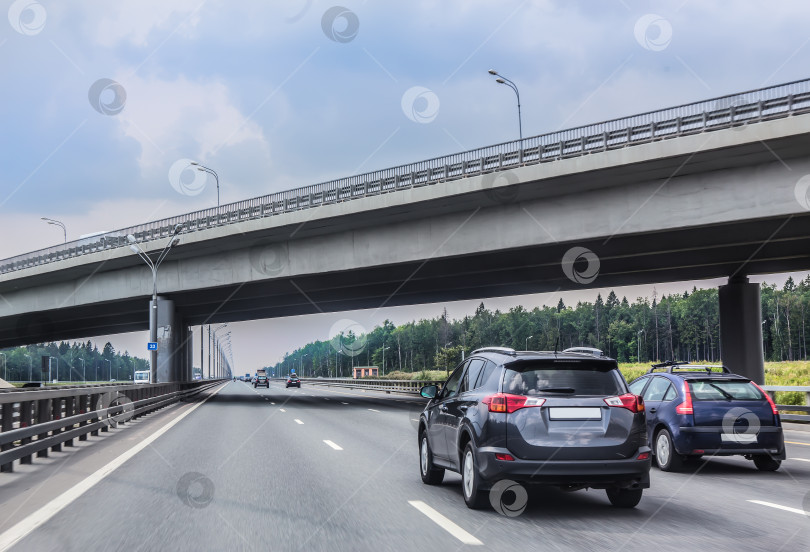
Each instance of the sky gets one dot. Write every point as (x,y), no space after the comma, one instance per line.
(105,104)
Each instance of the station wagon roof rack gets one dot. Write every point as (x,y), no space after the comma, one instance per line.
(502,350)
(683,366)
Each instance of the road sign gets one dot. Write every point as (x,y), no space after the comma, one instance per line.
(152,346)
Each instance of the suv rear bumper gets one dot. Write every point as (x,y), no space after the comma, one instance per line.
(599,474)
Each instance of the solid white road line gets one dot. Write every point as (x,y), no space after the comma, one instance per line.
(373,410)
(445,523)
(16,533)
(299,422)
(779,506)
(333,445)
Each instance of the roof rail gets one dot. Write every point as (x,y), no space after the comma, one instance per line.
(684,366)
(502,350)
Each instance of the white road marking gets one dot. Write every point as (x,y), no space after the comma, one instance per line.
(344,403)
(299,422)
(800,459)
(414,420)
(373,410)
(271,402)
(333,445)
(282,410)
(16,533)
(779,506)
(445,523)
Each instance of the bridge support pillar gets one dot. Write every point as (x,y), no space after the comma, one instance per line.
(741,329)
(169,340)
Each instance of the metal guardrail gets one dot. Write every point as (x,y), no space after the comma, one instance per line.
(32,421)
(718,113)
(388,386)
(772,389)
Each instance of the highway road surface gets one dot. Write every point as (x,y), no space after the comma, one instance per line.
(329,469)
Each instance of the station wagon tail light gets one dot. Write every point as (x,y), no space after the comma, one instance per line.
(686,406)
(770,400)
(504,402)
(504,457)
(631,402)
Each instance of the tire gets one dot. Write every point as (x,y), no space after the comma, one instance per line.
(474,497)
(431,475)
(624,498)
(666,457)
(763,462)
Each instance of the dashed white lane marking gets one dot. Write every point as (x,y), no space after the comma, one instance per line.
(17,532)
(779,506)
(333,445)
(326,398)
(282,410)
(299,422)
(414,420)
(800,459)
(344,403)
(373,410)
(445,523)
(271,402)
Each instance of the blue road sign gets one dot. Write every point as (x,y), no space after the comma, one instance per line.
(152,346)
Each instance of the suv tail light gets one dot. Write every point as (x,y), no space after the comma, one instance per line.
(504,402)
(686,406)
(631,402)
(770,400)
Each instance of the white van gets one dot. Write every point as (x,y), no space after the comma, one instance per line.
(142,376)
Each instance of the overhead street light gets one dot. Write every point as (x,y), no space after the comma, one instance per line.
(503,80)
(527,342)
(57,223)
(153,266)
(211,171)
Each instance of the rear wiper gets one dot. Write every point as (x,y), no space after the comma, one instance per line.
(556,390)
(725,393)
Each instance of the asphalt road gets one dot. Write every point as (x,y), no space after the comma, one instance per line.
(326,469)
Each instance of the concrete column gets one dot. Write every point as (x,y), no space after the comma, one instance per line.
(166,338)
(741,329)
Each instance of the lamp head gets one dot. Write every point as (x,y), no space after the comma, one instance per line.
(134,249)
(500,81)
(131,238)
(493,72)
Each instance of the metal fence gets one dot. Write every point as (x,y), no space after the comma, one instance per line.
(717,113)
(34,421)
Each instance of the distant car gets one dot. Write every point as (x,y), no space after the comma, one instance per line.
(261,381)
(293,381)
(695,410)
(546,418)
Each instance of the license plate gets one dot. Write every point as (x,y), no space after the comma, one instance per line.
(739,438)
(574,413)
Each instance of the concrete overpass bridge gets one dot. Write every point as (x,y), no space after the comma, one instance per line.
(710,189)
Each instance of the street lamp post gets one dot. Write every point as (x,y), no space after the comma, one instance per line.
(210,171)
(301,365)
(527,341)
(84,371)
(5,367)
(446,368)
(638,342)
(109,368)
(153,265)
(56,223)
(383,354)
(503,80)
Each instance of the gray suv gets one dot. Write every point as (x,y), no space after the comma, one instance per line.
(549,418)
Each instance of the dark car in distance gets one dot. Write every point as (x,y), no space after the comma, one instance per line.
(550,418)
(261,381)
(293,381)
(696,410)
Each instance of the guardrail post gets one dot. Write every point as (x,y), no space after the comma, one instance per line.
(56,414)
(807,398)
(8,420)
(83,402)
(26,420)
(70,410)
(93,406)
(43,415)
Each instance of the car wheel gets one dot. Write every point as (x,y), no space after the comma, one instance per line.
(666,457)
(624,498)
(763,462)
(474,497)
(431,475)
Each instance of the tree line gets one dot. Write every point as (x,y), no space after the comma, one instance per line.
(68,362)
(675,327)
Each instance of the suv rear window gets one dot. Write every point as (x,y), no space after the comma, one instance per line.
(562,378)
(720,390)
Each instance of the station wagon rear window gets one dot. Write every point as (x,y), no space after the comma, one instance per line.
(723,390)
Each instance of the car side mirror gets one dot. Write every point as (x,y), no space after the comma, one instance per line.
(429,391)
